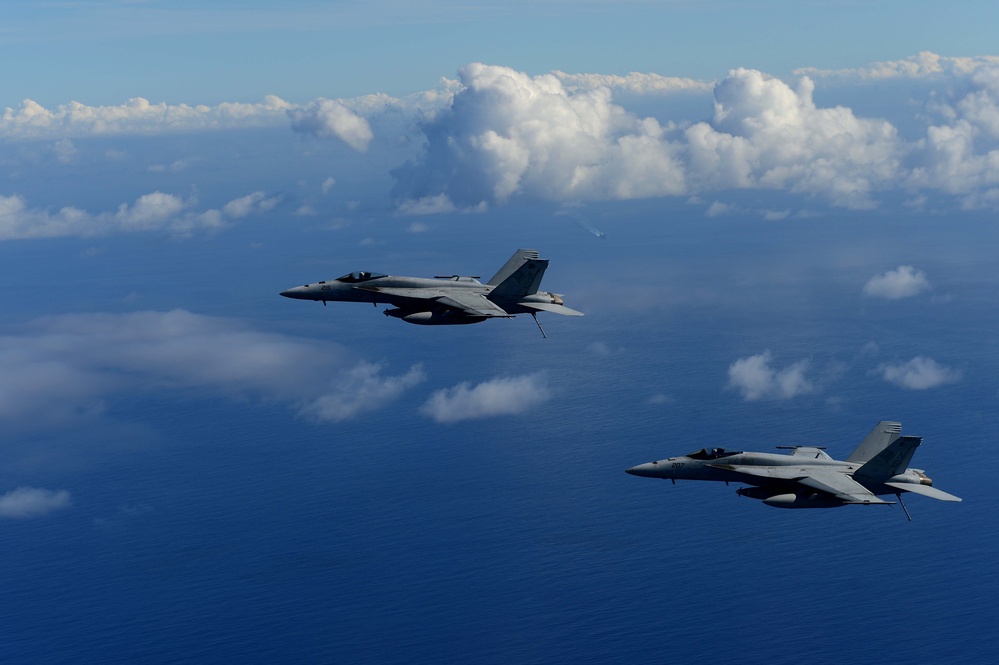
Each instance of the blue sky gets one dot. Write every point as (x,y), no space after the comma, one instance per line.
(103,52)
(778,217)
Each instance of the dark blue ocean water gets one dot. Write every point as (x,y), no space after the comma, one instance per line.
(211,529)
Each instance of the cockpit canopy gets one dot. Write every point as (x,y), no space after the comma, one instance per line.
(354,277)
(713,453)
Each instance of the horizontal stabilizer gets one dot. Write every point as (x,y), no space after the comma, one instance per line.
(550,307)
(925,490)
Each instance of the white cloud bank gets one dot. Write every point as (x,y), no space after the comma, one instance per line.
(497,134)
(503,396)
(923,65)
(136,116)
(61,369)
(28,502)
(902,282)
(756,379)
(506,134)
(156,211)
(920,373)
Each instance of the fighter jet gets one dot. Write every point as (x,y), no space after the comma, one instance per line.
(447,300)
(808,477)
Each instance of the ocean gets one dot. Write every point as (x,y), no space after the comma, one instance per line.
(225,527)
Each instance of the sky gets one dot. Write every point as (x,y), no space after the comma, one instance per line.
(778,217)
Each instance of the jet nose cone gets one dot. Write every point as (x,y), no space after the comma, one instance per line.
(647,470)
(296,292)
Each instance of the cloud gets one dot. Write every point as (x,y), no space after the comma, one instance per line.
(136,116)
(155,211)
(756,379)
(902,282)
(496,135)
(331,118)
(255,203)
(508,134)
(766,135)
(497,397)
(428,205)
(923,65)
(920,373)
(27,502)
(360,390)
(635,82)
(60,370)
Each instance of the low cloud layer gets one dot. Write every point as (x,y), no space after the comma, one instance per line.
(902,282)
(496,135)
(921,66)
(920,373)
(136,116)
(503,396)
(59,370)
(156,211)
(756,379)
(28,502)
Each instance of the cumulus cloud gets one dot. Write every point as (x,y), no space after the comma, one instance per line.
(506,133)
(500,134)
(156,211)
(27,502)
(559,137)
(902,282)
(331,118)
(496,397)
(136,116)
(756,379)
(58,370)
(765,134)
(920,373)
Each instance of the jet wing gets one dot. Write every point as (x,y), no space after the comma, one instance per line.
(473,304)
(470,303)
(925,490)
(841,486)
(833,482)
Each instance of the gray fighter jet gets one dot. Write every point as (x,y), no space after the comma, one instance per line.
(808,477)
(447,300)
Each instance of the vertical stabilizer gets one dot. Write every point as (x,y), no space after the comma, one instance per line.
(882,436)
(524,281)
(891,461)
(517,260)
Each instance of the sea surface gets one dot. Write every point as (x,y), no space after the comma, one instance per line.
(218,529)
